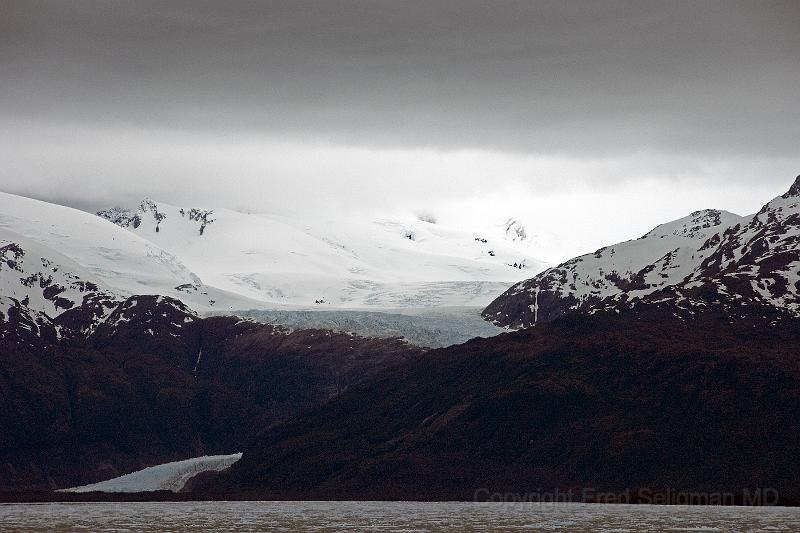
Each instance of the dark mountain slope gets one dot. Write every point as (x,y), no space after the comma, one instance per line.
(606,402)
(155,383)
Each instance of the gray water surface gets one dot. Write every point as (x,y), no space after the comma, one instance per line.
(385,517)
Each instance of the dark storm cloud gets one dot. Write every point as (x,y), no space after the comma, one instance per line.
(575,78)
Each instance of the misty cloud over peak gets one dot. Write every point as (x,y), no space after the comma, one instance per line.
(562,113)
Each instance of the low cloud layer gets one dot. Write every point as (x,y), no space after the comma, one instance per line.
(342,105)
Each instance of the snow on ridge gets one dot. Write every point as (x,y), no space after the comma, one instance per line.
(709,249)
(124,261)
(168,476)
(698,225)
(44,280)
(87,250)
(663,256)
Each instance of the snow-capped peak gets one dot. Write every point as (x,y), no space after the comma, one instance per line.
(698,225)
(709,256)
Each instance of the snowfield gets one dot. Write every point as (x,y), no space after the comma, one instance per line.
(218,260)
(168,476)
(309,273)
(50,247)
(119,258)
(347,262)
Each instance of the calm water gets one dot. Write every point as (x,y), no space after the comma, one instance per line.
(401,517)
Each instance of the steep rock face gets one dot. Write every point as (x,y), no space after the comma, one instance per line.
(708,258)
(606,402)
(23,326)
(153,383)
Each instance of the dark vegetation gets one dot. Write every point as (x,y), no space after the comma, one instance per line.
(641,400)
(154,384)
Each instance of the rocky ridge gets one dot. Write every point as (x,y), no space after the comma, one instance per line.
(709,258)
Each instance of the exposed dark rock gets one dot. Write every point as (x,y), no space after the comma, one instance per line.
(121,217)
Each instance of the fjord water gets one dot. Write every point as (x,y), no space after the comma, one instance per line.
(388,516)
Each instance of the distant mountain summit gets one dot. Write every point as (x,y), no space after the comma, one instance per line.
(64,272)
(55,259)
(699,225)
(149,211)
(710,257)
(347,262)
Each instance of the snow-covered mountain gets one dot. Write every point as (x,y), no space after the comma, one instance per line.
(54,258)
(347,262)
(705,258)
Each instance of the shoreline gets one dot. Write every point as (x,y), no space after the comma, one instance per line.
(655,498)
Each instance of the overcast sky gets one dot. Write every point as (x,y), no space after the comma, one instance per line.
(592,121)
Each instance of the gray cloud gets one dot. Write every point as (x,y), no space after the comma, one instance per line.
(536,77)
(321,106)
